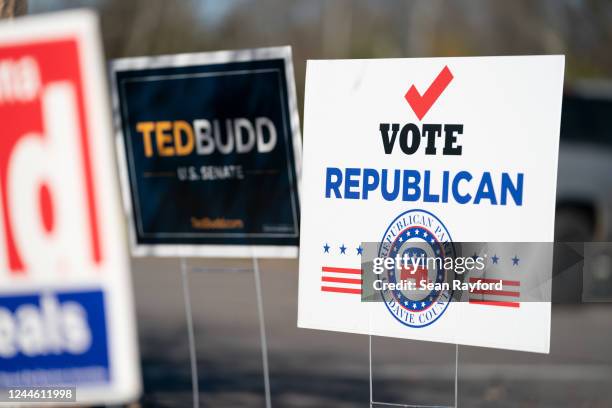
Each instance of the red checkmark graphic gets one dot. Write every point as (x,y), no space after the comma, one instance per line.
(421,104)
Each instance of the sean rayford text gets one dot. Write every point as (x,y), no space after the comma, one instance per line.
(455,284)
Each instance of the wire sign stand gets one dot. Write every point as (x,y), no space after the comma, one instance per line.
(190,327)
(377,404)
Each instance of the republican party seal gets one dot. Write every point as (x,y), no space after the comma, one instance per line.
(420,235)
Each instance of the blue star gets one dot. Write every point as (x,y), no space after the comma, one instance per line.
(474,256)
(359,250)
(515,260)
(326,248)
(495,258)
(342,249)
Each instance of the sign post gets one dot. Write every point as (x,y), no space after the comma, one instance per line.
(209,146)
(66,307)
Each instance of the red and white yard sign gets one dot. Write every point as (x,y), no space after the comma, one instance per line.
(66,307)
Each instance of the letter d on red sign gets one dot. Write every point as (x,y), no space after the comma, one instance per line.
(46,181)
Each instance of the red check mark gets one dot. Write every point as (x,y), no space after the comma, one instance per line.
(421,104)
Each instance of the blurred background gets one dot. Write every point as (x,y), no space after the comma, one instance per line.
(321,369)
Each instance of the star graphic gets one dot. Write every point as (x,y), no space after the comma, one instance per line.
(495,258)
(343,249)
(474,256)
(515,260)
(326,248)
(359,250)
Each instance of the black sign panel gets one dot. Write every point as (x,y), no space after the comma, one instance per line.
(209,144)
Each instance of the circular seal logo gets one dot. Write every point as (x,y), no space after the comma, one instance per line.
(422,242)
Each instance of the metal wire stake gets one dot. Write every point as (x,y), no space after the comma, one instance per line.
(370,358)
(191,336)
(262,333)
(456,375)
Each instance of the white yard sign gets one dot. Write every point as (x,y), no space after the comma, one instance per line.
(429,151)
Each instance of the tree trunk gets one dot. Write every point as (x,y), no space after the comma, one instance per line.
(13,8)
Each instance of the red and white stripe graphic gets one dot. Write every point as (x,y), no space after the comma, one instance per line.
(341,280)
(508,296)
